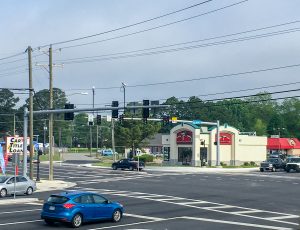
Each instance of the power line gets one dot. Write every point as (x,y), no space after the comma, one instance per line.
(154,28)
(12,56)
(200,40)
(128,26)
(198,79)
(107,57)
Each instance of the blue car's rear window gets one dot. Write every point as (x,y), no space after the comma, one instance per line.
(58,199)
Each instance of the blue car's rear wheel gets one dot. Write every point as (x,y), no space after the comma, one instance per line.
(49,222)
(117,215)
(76,221)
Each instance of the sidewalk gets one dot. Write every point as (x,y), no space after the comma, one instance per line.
(42,186)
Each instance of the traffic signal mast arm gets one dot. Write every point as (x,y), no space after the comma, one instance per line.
(96,109)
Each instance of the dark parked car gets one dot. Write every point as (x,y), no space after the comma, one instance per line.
(78,207)
(128,164)
(272,164)
(293,163)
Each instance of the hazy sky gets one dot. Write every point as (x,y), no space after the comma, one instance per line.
(37,23)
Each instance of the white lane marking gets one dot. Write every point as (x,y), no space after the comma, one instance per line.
(194,202)
(236,223)
(21,222)
(282,217)
(136,223)
(27,210)
(144,217)
(222,211)
(247,212)
(222,206)
(38,204)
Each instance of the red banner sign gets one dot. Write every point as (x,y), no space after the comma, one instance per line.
(184,137)
(225,138)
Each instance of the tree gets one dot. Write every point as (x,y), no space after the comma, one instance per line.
(132,134)
(61,128)
(260,127)
(8,102)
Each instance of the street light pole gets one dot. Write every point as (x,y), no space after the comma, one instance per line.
(124,94)
(91,133)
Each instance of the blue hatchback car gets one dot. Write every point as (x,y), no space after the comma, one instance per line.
(79,207)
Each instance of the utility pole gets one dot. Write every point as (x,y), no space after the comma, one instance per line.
(50,115)
(91,133)
(29,51)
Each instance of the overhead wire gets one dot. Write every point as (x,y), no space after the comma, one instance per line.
(196,79)
(128,26)
(107,58)
(153,28)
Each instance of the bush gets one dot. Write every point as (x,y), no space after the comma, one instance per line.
(252,163)
(145,158)
(246,164)
(223,164)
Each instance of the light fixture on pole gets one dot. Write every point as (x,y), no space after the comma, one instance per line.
(123,87)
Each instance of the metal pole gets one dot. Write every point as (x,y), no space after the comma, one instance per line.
(91,142)
(113,138)
(218,144)
(14,132)
(25,142)
(29,50)
(97,137)
(50,115)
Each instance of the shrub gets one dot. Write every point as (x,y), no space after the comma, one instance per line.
(252,163)
(246,163)
(223,164)
(145,158)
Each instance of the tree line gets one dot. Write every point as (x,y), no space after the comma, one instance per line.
(259,113)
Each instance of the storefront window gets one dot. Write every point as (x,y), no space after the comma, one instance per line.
(166,153)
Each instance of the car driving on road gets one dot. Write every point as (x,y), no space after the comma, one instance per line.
(77,207)
(128,164)
(272,164)
(23,185)
(293,163)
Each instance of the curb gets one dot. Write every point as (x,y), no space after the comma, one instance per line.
(180,169)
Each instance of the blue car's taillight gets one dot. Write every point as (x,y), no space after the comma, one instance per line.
(68,205)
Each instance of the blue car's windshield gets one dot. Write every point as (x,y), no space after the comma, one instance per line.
(3,179)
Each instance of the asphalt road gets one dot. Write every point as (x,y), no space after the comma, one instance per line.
(163,201)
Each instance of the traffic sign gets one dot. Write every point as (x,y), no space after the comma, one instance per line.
(197,122)
(174,120)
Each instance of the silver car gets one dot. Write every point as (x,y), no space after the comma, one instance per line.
(23,185)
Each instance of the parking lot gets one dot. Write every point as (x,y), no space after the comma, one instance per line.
(176,200)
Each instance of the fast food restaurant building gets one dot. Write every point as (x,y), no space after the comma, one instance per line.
(196,145)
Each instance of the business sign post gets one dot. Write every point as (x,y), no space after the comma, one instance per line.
(14,147)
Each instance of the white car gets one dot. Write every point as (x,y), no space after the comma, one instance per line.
(23,185)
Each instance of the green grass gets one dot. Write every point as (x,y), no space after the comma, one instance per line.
(103,164)
(56,157)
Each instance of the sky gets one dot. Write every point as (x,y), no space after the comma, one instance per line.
(41,23)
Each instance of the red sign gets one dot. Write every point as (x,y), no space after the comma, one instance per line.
(225,138)
(184,137)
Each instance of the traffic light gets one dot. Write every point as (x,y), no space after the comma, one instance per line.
(145,110)
(98,119)
(115,112)
(166,120)
(69,116)
(121,118)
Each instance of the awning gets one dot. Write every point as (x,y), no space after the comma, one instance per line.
(283,143)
